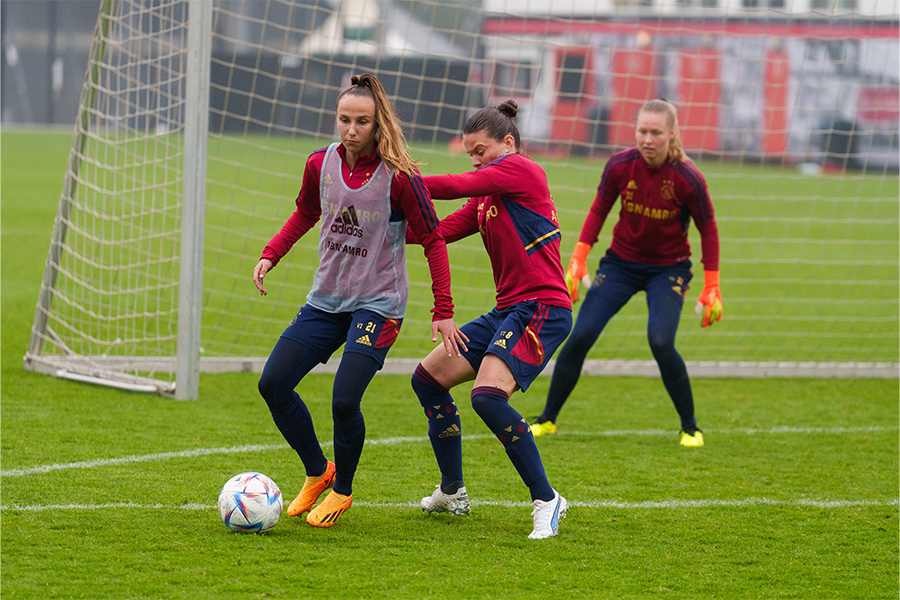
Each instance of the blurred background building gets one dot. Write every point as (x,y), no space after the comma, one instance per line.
(802,79)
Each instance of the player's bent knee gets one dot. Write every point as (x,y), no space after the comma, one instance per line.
(661,345)
(484,405)
(578,344)
(423,384)
(343,408)
(268,388)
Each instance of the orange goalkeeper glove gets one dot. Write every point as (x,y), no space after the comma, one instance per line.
(710,301)
(577,270)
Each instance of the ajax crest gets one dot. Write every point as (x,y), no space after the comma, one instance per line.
(667,191)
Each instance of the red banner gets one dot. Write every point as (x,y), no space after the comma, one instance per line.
(775,128)
(634,82)
(698,99)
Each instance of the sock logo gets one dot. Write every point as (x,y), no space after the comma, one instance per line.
(451,431)
(347,223)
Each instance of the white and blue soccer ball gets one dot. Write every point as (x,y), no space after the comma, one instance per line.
(250,503)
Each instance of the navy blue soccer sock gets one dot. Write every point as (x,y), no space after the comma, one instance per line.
(683,399)
(665,312)
(286,366)
(444,427)
(492,405)
(353,376)
(678,385)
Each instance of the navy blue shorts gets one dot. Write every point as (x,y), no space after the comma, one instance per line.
(363,331)
(617,280)
(525,336)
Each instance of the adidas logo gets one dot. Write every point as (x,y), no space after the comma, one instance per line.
(364,340)
(347,223)
(451,431)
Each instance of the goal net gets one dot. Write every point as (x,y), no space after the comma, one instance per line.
(177,178)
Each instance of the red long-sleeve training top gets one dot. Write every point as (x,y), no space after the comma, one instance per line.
(658,204)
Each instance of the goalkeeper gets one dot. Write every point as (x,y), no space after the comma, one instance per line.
(661,191)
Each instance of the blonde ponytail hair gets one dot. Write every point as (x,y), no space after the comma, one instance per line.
(662,106)
(392,146)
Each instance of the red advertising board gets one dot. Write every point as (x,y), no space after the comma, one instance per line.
(574,84)
(634,82)
(879,106)
(699,99)
(775,130)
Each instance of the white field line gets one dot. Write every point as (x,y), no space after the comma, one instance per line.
(577,504)
(87,464)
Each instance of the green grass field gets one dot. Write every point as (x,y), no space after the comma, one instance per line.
(111,494)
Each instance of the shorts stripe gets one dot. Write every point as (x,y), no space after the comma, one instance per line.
(540,316)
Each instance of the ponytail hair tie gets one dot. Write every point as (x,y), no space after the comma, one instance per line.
(360,80)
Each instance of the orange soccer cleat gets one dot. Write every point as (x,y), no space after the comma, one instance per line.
(328,512)
(312,489)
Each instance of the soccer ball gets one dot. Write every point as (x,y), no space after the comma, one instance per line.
(250,503)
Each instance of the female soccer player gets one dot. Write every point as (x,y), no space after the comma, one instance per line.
(368,189)
(661,191)
(507,348)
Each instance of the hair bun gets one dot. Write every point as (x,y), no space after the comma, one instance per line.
(364,80)
(509,108)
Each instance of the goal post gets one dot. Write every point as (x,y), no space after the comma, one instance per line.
(190,289)
(197,117)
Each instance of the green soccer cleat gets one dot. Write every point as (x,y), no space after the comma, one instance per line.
(694,440)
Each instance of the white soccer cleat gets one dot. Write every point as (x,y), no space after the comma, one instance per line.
(439,502)
(547,515)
